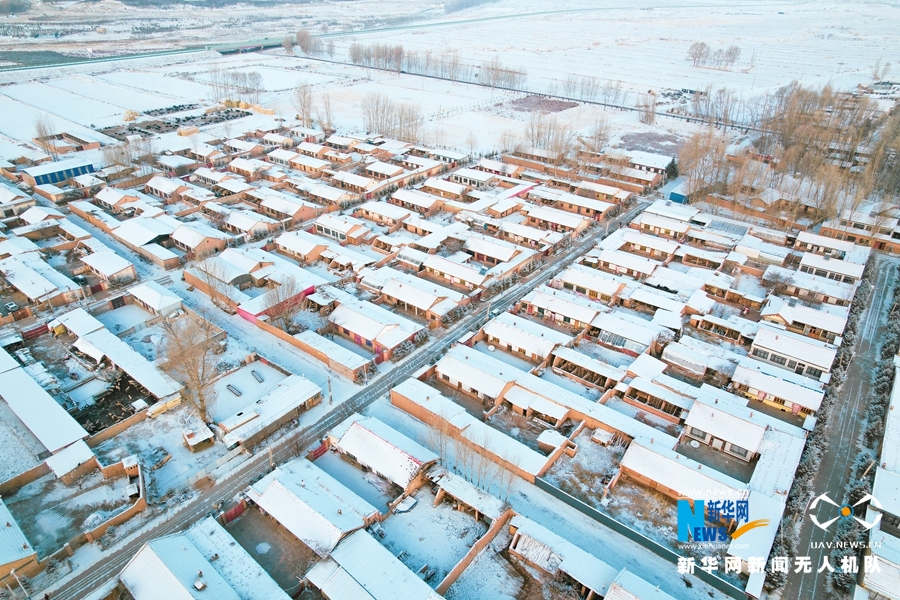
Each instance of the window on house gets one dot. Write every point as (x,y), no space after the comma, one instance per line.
(445,377)
(792,364)
(814,372)
(760,353)
(777,359)
(738,450)
(698,433)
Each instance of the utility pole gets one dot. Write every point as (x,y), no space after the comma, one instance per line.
(329,390)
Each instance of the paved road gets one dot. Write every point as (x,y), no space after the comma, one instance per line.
(289,446)
(843,430)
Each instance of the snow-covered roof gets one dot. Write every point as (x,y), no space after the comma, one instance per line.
(9,194)
(551,552)
(382,449)
(810,282)
(14,546)
(793,345)
(657,391)
(416,198)
(362,569)
(456,270)
(386,169)
(69,458)
(311,504)
(155,296)
(50,423)
(826,263)
(354,180)
(500,250)
(340,223)
(300,242)
(169,567)
(659,222)
(814,239)
(628,586)
(17,245)
(674,471)
(29,274)
(727,425)
(560,302)
(648,159)
(525,334)
(615,322)
(335,352)
(657,299)
(58,166)
(235,564)
(385,210)
(36,214)
(827,319)
(165,185)
(195,233)
(106,263)
(638,264)
(774,381)
(317,164)
(883,581)
(143,230)
(591,364)
(449,187)
(552,215)
(78,322)
(467,493)
(374,323)
(103,343)
(592,279)
(290,393)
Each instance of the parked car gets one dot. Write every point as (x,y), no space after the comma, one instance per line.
(11,306)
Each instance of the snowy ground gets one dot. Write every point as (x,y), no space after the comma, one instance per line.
(436,536)
(124,318)
(585,475)
(152,439)
(51,513)
(488,576)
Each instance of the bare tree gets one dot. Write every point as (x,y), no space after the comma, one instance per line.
(303,103)
(324,112)
(190,357)
(286,298)
(599,134)
(288,44)
(439,438)
(43,129)
(647,108)
(213,276)
(698,53)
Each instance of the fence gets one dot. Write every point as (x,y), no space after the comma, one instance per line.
(652,545)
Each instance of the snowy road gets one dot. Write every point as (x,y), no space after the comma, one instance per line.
(843,430)
(80,583)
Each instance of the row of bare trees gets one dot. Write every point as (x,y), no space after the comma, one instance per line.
(129,152)
(447,64)
(236,85)
(311,109)
(826,151)
(383,115)
(701,55)
(459,455)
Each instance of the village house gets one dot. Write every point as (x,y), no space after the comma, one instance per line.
(444,188)
(199,239)
(589,282)
(204,559)
(560,307)
(373,327)
(421,297)
(312,149)
(605,193)
(456,273)
(14,201)
(729,429)
(356,184)
(302,498)
(523,336)
(169,190)
(621,263)
(383,213)
(783,390)
(382,450)
(284,208)
(831,268)
(343,229)
(56,172)
(311,167)
(308,135)
(826,324)
(383,170)
(793,352)
(544,217)
(417,201)
(593,209)
(808,286)
(472,178)
(110,267)
(281,157)
(302,246)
